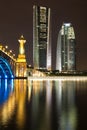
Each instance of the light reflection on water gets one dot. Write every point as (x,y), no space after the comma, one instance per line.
(47,105)
(66,105)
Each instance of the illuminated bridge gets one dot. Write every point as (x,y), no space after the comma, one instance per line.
(7,62)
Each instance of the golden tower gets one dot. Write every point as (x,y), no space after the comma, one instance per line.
(21,64)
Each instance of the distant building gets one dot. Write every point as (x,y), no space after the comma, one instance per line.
(66,49)
(41,38)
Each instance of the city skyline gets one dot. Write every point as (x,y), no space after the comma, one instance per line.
(17,17)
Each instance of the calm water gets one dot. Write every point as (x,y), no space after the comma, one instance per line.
(43,105)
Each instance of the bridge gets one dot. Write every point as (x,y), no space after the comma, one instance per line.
(11,67)
(7,62)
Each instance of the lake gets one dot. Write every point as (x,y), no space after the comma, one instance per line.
(43,105)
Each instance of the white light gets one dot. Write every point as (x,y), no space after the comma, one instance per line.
(10,51)
(59,78)
(5,84)
(13,54)
(6,47)
(67,24)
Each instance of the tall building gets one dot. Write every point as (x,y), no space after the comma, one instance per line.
(66,49)
(41,38)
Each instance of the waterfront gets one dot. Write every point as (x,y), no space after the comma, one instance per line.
(43,104)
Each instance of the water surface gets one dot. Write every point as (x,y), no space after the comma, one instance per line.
(43,105)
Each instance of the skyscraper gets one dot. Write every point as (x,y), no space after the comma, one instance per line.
(66,49)
(41,38)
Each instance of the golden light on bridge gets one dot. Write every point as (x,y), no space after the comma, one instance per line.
(6,47)
(8,52)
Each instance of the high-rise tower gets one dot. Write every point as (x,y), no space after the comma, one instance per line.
(41,38)
(66,49)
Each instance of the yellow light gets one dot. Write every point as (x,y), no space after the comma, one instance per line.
(21,65)
(22,41)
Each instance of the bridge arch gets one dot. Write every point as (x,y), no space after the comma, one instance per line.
(5,69)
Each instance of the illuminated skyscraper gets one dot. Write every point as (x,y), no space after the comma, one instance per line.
(41,38)
(66,54)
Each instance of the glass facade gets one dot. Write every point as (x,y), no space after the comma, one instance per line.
(41,38)
(66,54)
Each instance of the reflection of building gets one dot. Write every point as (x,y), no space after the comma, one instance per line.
(65,58)
(65,98)
(41,38)
(21,64)
(20,97)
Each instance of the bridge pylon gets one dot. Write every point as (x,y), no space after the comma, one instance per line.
(21,64)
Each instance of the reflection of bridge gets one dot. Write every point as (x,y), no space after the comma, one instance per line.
(7,63)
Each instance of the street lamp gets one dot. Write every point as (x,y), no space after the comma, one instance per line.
(6,47)
(10,51)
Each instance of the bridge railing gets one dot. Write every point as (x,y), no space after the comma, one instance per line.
(9,53)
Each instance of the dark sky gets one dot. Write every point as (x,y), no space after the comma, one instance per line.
(16,18)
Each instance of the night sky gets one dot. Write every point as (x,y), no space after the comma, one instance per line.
(16,18)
